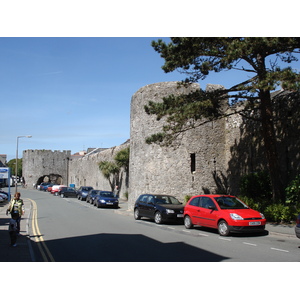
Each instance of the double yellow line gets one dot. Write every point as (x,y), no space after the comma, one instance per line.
(46,254)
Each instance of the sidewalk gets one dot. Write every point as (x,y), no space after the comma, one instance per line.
(22,252)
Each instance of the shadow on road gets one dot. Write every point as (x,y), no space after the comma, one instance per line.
(126,248)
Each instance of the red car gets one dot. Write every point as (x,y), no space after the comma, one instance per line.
(223,212)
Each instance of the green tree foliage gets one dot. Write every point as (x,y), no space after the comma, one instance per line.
(261,58)
(293,191)
(122,158)
(111,169)
(12,165)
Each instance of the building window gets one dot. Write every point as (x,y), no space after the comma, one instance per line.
(193,162)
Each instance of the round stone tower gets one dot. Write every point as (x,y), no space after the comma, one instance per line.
(190,168)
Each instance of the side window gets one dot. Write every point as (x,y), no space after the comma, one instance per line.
(206,202)
(195,201)
(150,199)
(144,199)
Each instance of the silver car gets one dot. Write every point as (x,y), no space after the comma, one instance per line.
(297,228)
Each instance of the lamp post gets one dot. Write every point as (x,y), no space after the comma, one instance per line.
(16,173)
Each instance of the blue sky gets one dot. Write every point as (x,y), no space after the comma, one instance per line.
(74,93)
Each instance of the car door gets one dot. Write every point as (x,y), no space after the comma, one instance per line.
(208,212)
(150,206)
(194,210)
(141,204)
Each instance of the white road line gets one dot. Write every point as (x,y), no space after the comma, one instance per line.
(203,234)
(171,227)
(186,230)
(224,239)
(276,249)
(249,244)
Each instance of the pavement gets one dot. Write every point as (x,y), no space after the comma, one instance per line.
(23,251)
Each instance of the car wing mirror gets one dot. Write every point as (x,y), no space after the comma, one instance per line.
(212,207)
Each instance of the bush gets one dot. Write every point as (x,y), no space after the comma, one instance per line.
(293,191)
(186,199)
(280,213)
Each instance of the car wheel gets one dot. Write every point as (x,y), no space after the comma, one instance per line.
(188,222)
(137,214)
(62,195)
(56,193)
(78,197)
(158,218)
(223,228)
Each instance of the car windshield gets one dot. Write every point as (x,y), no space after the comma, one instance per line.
(107,194)
(166,199)
(230,203)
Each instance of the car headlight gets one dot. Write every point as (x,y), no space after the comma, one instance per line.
(262,216)
(170,211)
(236,216)
(102,201)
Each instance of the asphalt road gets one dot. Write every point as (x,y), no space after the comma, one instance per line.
(75,231)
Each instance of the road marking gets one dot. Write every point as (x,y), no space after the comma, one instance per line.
(38,236)
(203,234)
(249,244)
(186,230)
(225,239)
(171,227)
(276,249)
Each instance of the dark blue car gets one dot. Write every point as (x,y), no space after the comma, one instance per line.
(106,199)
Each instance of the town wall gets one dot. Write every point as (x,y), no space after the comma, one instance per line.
(45,165)
(85,171)
(190,167)
(206,159)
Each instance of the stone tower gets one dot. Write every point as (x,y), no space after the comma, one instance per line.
(190,168)
(48,165)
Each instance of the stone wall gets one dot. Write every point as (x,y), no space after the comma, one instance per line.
(85,171)
(38,164)
(207,159)
(189,168)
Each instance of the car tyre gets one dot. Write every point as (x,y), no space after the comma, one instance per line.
(188,222)
(223,228)
(158,218)
(137,214)
(62,195)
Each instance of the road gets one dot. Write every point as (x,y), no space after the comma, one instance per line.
(69,230)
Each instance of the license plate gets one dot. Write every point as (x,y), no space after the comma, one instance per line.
(179,215)
(254,223)
(109,203)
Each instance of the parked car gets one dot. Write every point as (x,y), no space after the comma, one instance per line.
(66,192)
(297,228)
(56,189)
(45,187)
(161,208)
(3,196)
(83,192)
(91,196)
(223,212)
(106,199)
(40,186)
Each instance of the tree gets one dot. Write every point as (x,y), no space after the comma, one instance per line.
(12,165)
(197,57)
(111,169)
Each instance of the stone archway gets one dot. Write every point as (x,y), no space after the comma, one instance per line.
(53,178)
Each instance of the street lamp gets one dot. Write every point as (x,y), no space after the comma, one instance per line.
(16,183)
